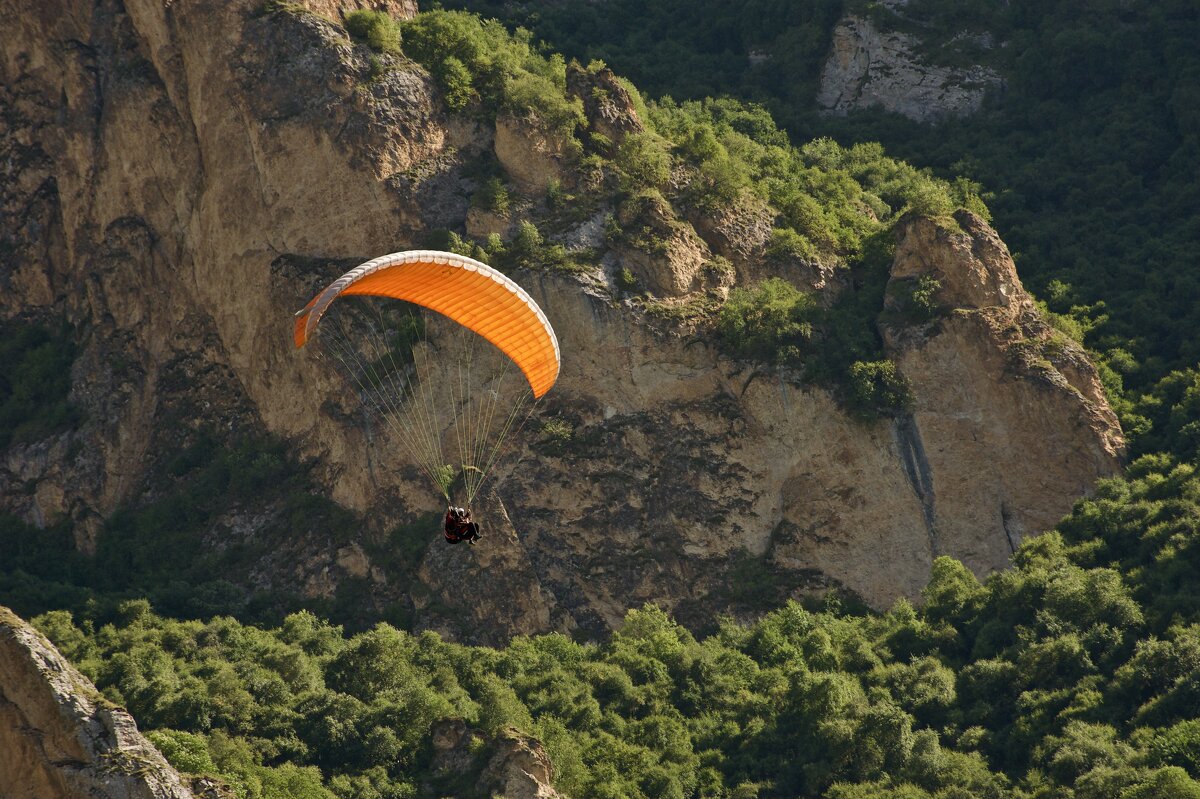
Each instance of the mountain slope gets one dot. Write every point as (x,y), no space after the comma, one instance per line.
(222,161)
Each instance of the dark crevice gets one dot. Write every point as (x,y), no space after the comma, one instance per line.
(1005,519)
(920,477)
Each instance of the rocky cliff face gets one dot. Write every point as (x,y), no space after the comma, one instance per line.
(59,739)
(988,368)
(868,67)
(181,177)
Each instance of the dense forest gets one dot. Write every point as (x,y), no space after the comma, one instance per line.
(1075,673)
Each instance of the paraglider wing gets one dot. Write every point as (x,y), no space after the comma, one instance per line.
(471,293)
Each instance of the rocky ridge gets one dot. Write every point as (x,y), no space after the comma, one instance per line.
(236,160)
(59,739)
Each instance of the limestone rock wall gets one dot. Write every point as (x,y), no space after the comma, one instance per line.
(59,739)
(976,384)
(872,68)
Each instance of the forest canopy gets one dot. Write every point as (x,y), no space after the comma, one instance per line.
(1076,673)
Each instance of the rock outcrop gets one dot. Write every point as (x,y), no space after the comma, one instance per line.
(533,157)
(181,177)
(509,765)
(684,464)
(607,104)
(59,739)
(872,68)
(989,366)
(666,255)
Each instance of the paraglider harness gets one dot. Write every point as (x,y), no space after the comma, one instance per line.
(459,526)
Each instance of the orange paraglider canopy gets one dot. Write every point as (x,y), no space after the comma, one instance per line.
(471,293)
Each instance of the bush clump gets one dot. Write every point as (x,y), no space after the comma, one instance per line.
(479,61)
(376,28)
(918,299)
(35,379)
(769,322)
(493,196)
(876,388)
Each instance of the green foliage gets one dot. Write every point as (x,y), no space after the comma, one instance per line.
(920,301)
(786,243)
(626,281)
(35,378)
(770,322)
(837,346)
(932,201)
(1075,670)
(376,28)
(456,81)
(526,243)
(529,249)
(1166,783)
(493,196)
(643,161)
(707,57)
(830,198)
(185,751)
(476,60)
(1072,674)
(557,197)
(877,389)
(375,67)
(1178,745)
(555,436)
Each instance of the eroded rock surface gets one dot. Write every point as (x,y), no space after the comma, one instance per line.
(59,739)
(872,68)
(607,104)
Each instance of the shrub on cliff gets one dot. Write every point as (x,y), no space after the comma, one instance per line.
(830,198)
(876,388)
(769,322)
(644,162)
(476,60)
(35,378)
(492,196)
(376,28)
